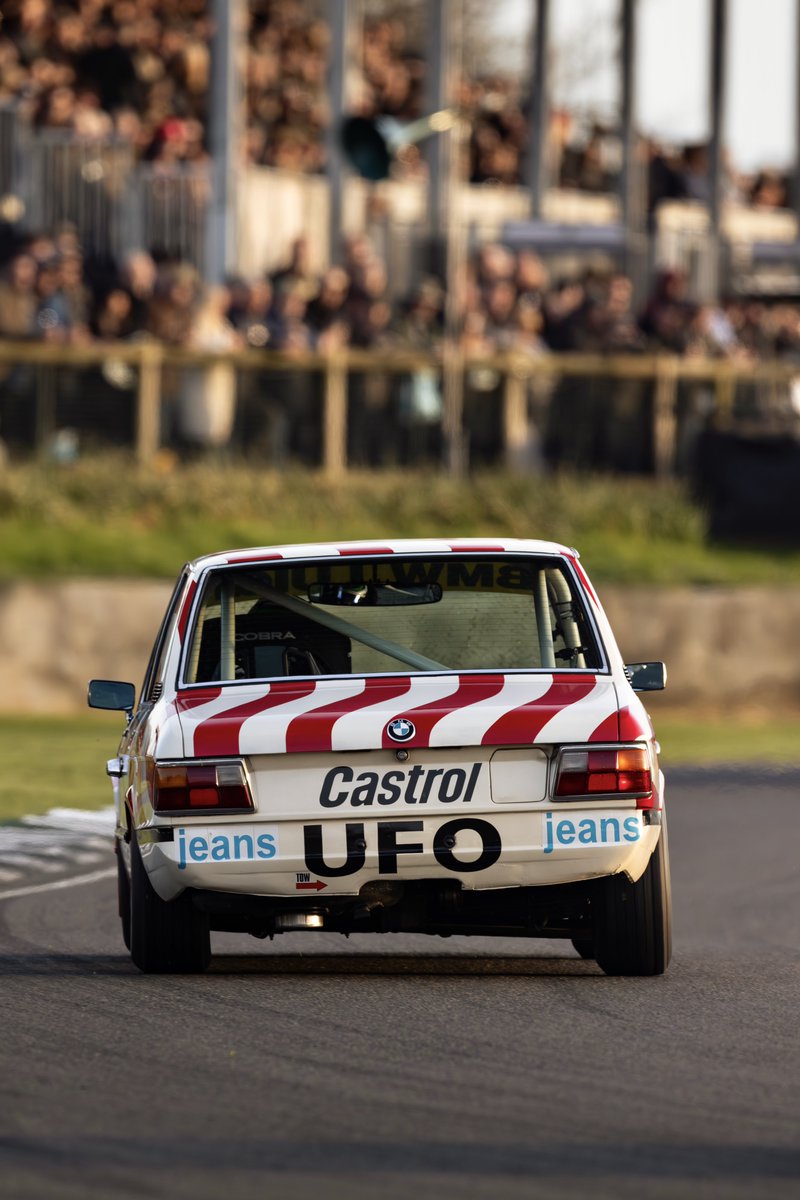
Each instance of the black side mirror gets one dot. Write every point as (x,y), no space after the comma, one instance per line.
(647,677)
(111,693)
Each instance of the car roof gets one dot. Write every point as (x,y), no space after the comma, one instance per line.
(374,548)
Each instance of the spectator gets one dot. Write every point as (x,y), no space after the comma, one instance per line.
(420,396)
(170,310)
(769,190)
(296,273)
(75,295)
(712,335)
(113,318)
(52,312)
(563,309)
(107,63)
(294,396)
(531,277)
(668,313)
(249,313)
(329,307)
(694,171)
(288,328)
(138,277)
(207,398)
(18,301)
(501,302)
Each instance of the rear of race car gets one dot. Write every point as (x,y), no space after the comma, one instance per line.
(415,738)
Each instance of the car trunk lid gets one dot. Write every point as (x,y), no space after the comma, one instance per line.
(432,711)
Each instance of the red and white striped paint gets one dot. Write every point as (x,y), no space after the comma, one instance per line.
(352,714)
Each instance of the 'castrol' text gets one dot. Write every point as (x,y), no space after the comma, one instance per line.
(418,785)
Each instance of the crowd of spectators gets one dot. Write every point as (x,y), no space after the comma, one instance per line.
(509,302)
(95,68)
(140,69)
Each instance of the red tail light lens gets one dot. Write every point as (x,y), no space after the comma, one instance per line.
(201,787)
(610,772)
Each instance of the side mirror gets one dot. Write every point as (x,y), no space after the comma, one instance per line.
(110,693)
(647,677)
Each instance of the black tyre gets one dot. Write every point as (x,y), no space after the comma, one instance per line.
(165,937)
(633,925)
(123,898)
(584,946)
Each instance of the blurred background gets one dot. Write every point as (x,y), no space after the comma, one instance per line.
(276,270)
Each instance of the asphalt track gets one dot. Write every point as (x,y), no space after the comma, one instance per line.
(411,1067)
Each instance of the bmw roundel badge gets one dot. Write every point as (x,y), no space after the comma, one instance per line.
(401,729)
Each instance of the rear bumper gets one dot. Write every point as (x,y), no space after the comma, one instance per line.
(314,860)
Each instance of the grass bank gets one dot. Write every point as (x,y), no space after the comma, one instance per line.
(51,761)
(47,762)
(110,517)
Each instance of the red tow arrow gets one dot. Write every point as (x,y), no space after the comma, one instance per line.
(316,886)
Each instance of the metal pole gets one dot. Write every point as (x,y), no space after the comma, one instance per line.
(148,407)
(46,400)
(537,146)
(631,181)
(339,15)
(224,131)
(334,420)
(438,149)
(719,27)
(796,180)
(454,227)
(515,419)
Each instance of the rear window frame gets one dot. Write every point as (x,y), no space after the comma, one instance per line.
(565,563)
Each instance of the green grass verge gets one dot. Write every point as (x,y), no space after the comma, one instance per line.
(53,761)
(696,740)
(109,517)
(50,762)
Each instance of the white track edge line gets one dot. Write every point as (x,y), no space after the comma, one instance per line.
(106,873)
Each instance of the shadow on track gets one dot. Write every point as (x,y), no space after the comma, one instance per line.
(397,964)
(685,1161)
(407,965)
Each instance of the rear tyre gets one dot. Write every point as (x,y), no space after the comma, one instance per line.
(123,898)
(584,946)
(633,927)
(166,937)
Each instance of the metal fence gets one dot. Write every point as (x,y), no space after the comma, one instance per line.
(83,182)
(119,204)
(638,414)
(9,137)
(168,211)
(115,202)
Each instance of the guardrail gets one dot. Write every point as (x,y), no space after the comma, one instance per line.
(150,359)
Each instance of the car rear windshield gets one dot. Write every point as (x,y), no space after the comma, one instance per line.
(379,616)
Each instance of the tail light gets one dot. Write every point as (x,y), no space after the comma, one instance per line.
(201,787)
(608,773)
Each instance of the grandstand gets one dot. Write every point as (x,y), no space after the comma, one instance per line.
(107,151)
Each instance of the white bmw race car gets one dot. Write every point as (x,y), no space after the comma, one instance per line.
(422,736)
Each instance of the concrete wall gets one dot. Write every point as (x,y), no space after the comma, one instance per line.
(723,647)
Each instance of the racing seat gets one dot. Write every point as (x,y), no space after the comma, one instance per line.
(272,642)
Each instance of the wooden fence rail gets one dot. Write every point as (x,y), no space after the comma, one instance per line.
(150,358)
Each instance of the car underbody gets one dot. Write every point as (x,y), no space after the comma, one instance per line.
(435,906)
